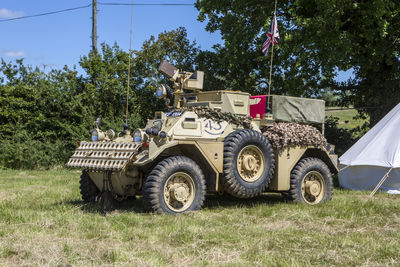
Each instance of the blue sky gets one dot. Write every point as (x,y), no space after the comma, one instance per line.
(56,40)
(59,39)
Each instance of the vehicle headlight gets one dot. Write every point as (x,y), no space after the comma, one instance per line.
(95,136)
(161,92)
(98,135)
(137,136)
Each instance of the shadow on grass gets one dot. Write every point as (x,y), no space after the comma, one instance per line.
(80,204)
(212,201)
(128,205)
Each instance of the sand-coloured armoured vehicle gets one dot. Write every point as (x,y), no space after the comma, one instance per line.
(211,141)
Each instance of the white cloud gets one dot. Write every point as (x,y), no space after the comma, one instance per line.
(9,14)
(14,53)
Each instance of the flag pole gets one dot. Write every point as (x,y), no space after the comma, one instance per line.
(272,58)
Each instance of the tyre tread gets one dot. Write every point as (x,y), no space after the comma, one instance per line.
(152,187)
(299,171)
(88,189)
(232,143)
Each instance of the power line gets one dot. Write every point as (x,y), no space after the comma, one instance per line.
(141,4)
(89,5)
(47,13)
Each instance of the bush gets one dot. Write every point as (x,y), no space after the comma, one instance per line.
(31,154)
(342,138)
(44,115)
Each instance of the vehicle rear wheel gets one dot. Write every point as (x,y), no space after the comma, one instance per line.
(175,185)
(248,163)
(88,189)
(311,182)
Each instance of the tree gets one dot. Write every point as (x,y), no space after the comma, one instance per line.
(362,35)
(318,39)
(172,46)
(44,114)
(239,61)
(41,115)
(107,75)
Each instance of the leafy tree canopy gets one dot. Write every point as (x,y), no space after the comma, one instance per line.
(318,39)
(43,115)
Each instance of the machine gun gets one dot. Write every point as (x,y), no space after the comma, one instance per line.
(181,79)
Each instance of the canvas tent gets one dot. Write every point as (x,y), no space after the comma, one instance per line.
(374,158)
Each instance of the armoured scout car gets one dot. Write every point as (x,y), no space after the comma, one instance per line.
(206,142)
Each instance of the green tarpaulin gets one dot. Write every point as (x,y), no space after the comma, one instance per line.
(297,109)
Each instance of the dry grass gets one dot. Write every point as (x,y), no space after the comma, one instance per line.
(44,222)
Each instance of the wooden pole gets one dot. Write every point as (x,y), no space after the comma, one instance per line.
(380,183)
(94,26)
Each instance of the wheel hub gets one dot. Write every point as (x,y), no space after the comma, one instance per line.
(249,162)
(313,188)
(180,192)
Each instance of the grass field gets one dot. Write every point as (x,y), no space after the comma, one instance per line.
(346,117)
(44,222)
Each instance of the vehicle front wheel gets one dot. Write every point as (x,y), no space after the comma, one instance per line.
(175,185)
(310,182)
(249,163)
(88,189)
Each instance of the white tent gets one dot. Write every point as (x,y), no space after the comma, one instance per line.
(374,161)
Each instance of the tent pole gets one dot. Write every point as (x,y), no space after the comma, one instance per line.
(380,183)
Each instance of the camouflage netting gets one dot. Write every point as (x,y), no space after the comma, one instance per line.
(219,116)
(284,134)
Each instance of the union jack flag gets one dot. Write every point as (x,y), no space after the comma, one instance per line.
(272,36)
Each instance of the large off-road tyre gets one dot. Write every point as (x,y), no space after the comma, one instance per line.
(310,182)
(175,185)
(89,190)
(249,163)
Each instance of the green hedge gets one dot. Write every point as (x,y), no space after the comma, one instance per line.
(44,114)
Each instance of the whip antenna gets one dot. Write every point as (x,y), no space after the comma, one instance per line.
(129,68)
(272,57)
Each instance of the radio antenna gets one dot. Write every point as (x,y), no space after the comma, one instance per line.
(129,68)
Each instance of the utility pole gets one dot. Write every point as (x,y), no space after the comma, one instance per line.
(94,26)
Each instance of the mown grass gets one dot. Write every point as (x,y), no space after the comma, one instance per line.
(44,222)
(347,117)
